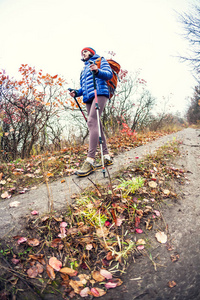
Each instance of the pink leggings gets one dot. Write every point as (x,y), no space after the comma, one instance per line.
(93,126)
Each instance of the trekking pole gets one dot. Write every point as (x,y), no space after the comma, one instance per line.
(98,121)
(79,106)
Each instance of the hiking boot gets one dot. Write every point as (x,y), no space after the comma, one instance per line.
(86,169)
(107,162)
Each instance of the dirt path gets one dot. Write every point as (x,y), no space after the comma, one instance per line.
(60,193)
(141,280)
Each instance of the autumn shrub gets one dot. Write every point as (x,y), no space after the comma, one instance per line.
(27,106)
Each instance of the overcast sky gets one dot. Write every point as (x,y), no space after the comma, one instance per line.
(49,35)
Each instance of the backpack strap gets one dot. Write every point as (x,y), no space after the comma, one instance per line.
(98,62)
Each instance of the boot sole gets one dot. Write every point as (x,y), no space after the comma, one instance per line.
(84,174)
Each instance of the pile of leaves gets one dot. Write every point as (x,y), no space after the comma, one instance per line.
(83,251)
(21,175)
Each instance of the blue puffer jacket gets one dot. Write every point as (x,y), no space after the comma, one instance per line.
(86,80)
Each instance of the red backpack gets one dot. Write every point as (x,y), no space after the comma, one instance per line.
(112,83)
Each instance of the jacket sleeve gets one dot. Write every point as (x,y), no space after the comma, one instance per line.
(79,92)
(105,71)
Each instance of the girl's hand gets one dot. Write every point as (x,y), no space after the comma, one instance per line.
(94,68)
(72,94)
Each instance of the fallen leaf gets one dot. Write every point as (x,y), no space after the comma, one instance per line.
(166,192)
(110,285)
(32,272)
(97,276)
(118,222)
(137,230)
(50,272)
(102,232)
(34,212)
(161,237)
(85,292)
(55,263)
(68,271)
(118,281)
(157,213)
(2,182)
(33,242)
(171,284)
(40,268)
(56,242)
(152,184)
(21,240)
(140,242)
(76,285)
(15,261)
(97,292)
(141,247)
(89,247)
(109,256)
(14,204)
(6,195)
(106,274)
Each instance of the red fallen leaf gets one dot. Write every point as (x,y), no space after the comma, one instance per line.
(118,281)
(33,242)
(137,221)
(97,292)
(55,263)
(111,285)
(32,272)
(34,212)
(137,230)
(106,274)
(21,240)
(50,272)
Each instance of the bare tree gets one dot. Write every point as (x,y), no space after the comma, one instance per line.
(193,112)
(191,23)
(132,105)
